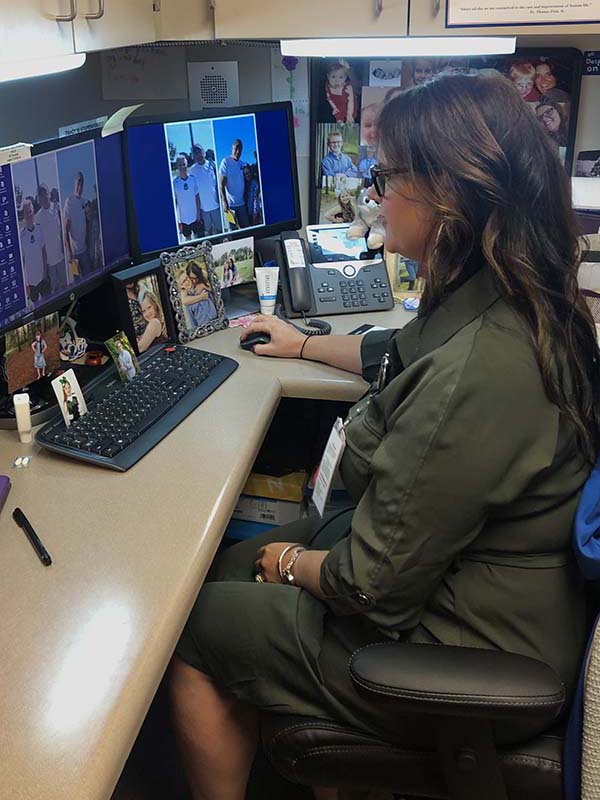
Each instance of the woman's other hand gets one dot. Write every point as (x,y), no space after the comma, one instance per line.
(267,559)
(286,341)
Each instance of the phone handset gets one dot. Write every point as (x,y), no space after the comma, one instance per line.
(298,280)
(294,250)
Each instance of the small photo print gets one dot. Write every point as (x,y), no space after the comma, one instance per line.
(124,357)
(403,274)
(338,151)
(234,262)
(340,83)
(588,164)
(385,73)
(338,200)
(70,397)
(146,311)
(196,293)
(373,100)
(32,352)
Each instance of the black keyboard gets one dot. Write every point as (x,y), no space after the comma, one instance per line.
(126,420)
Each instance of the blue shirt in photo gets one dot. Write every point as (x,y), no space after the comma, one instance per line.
(338,165)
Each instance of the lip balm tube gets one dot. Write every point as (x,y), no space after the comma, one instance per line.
(266,283)
(21,402)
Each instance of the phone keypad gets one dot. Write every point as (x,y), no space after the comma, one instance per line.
(353,294)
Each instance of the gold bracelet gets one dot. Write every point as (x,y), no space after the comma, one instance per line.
(282,554)
(288,576)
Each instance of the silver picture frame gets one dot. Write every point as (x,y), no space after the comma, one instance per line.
(177,266)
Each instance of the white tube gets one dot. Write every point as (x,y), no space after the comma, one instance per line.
(21,402)
(266,282)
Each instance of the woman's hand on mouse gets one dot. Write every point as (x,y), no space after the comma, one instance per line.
(286,341)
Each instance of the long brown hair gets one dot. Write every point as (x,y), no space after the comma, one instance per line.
(501,199)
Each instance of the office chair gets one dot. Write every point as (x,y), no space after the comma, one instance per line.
(489,726)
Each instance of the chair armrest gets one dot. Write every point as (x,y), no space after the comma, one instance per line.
(459,682)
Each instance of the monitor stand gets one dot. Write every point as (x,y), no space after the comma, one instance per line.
(240,300)
(42,404)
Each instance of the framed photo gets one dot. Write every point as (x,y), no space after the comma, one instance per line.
(143,303)
(194,291)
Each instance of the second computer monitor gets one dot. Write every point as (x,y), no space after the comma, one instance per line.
(229,175)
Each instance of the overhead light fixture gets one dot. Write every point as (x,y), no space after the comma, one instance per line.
(400,46)
(36,67)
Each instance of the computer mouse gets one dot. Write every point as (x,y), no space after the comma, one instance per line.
(260,337)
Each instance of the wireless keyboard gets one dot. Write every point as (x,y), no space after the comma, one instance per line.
(126,420)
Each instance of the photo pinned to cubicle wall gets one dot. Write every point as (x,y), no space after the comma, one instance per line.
(70,397)
(340,83)
(234,262)
(32,352)
(123,354)
(216,180)
(194,291)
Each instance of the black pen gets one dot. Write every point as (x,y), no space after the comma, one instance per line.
(22,521)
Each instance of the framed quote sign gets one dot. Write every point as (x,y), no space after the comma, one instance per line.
(489,13)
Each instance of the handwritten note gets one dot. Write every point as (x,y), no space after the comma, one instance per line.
(144,73)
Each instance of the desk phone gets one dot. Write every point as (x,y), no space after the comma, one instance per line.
(332,274)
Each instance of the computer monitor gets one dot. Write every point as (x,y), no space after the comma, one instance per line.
(63,224)
(227,173)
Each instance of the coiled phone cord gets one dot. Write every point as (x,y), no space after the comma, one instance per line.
(316,327)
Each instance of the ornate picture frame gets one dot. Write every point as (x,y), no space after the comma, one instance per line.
(194,292)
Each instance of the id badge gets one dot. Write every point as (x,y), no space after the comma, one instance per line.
(334,450)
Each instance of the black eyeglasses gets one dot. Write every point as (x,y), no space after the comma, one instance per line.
(380,176)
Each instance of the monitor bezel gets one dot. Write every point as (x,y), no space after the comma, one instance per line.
(76,290)
(263,232)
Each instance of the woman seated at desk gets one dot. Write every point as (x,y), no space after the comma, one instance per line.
(465,462)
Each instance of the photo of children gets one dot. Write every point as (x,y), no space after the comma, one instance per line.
(339,91)
(147,313)
(338,174)
(78,189)
(194,174)
(32,352)
(239,171)
(40,234)
(121,351)
(70,397)
(234,262)
(196,293)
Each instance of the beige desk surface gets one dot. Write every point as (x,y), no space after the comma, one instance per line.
(84,643)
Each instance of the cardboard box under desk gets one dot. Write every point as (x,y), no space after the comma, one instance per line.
(288,487)
(267,509)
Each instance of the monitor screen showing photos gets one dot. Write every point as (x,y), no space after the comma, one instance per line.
(212,177)
(63,222)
